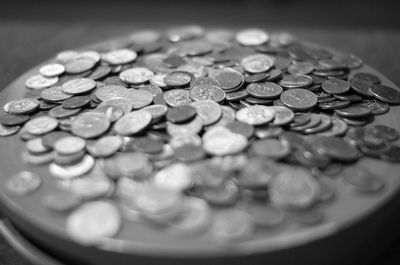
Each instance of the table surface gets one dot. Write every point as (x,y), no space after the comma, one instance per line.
(25,45)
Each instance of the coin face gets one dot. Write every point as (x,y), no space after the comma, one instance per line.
(23,105)
(298,99)
(221,141)
(207,92)
(177,97)
(177,79)
(52,70)
(90,124)
(265,90)
(257,63)
(385,93)
(41,125)
(121,56)
(295,81)
(78,86)
(69,145)
(255,115)
(137,75)
(40,82)
(208,110)
(93,221)
(72,171)
(335,86)
(133,122)
(54,94)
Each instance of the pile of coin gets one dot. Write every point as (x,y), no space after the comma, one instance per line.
(199,131)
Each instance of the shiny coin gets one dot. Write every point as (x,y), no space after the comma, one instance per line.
(133,122)
(158,80)
(7,131)
(176,176)
(121,56)
(54,94)
(177,79)
(282,115)
(221,141)
(385,93)
(266,90)
(295,81)
(362,180)
(72,171)
(252,37)
(40,82)
(232,225)
(299,99)
(78,86)
(90,124)
(152,89)
(255,115)
(76,102)
(229,78)
(23,183)
(41,125)
(51,70)
(37,159)
(105,146)
(257,63)
(65,160)
(361,86)
(184,139)
(137,75)
(49,139)
(35,146)
(181,114)
(138,98)
(69,145)
(157,111)
(93,222)
(208,110)
(294,189)
(177,97)
(338,128)
(23,105)
(335,86)
(207,92)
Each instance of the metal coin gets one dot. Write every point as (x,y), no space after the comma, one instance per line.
(7,131)
(335,86)
(255,115)
(72,171)
(137,75)
(335,104)
(90,125)
(78,86)
(385,93)
(41,125)
(122,56)
(325,124)
(93,221)
(271,148)
(337,148)
(37,159)
(176,177)
(13,120)
(177,79)
(147,145)
(105,146)
(177,97)
(208,110)
(295,81)
(181,114)
(207,92)
(377,107)
(61,201)
(54,94)
(232,225)
(242,128)
(192,127)
(23,183)
(23,105)
(76,102)
(60,112)
(367,77)
(257,63)
(100,72)
(236,96)
(221,141)
(69,145)
(265,90)
(354,111)
(152,89)
(361,86)
(299,99)
(338,128)
(189,152)
(35,146)
(40,82)
(133,122)
(282,115)
(252,37)
(301,68)
(229,78)
(256,78)
(362,180)
(51,70)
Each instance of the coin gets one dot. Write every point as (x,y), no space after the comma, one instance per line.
(362,180)
(301,68)
(257,63)
(232,225)
(192,127)
(282,115)
(90,125)
(181,114)
(100,72)
(177,79)
(105,146)
(133,122)
(35,146)
(367,77)
(61,201)
(69,145)
(23,183)
(66,160)
(78,86)
(252,37)
(177,97)
(255,115)
(295,81)
(208,111)
(271,148)
(54,94)
(23,105)
(207,92)
(176,176)
(7,131)
(385,94)
(335,86)
(51,70)
(136,75)
(41,125)
(338,148)
(361,86)
(189,152)
(76,102)
(229,78)
(72,171)
(221,141)
(93,221)
(298,99)
(40,82)
(13,120)
(121,56)
(354,111)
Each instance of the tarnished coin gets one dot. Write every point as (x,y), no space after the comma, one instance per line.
(208,110)
(362,180)
(282,115)
(177,79)
(232,225)
(40,82)
(69,145)
(361,86)
(181,114)
(7,131)
(137,75)
(266,90)
(295,81)
(105,146)
(72,171)
(252,37)
(54,94)
(41,125)
(257,63)
(93,222)
(335,86)
(367,77)
(221,141)
(78,86)
(23,105)
(51,70)
(121,56)
(90,124)
(207,92)
(385,93)
(255,115)
(299,99)
(23,183)
(177,97)
(133,122)
(294,188)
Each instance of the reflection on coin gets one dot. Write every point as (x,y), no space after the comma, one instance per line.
(121,56)
(78,86)
(90,125)
(257,63)
(51,70)
(23,183)
(176,176)
(221,141)
(252,37)
(137,75)
(133,122)
(255,115)
(72,171)
(41,125)
(93,222)
(40,82)
(69,145)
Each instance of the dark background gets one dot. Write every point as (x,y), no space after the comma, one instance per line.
(32,31)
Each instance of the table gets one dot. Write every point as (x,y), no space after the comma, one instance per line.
(25,45)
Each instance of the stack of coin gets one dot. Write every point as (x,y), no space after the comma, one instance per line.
(199,131)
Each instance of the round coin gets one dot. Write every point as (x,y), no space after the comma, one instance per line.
(207,92)
(335,86)
(299,99)
(252,37)
(385,93)
(23,105)
(208,110)
(78,86)
(133,122)
(255,115)
(51,70)
(72,171)
(137,75)
(41,125)
(90,124)
(257,63)
(266,90)
(23,183)
(69,145)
